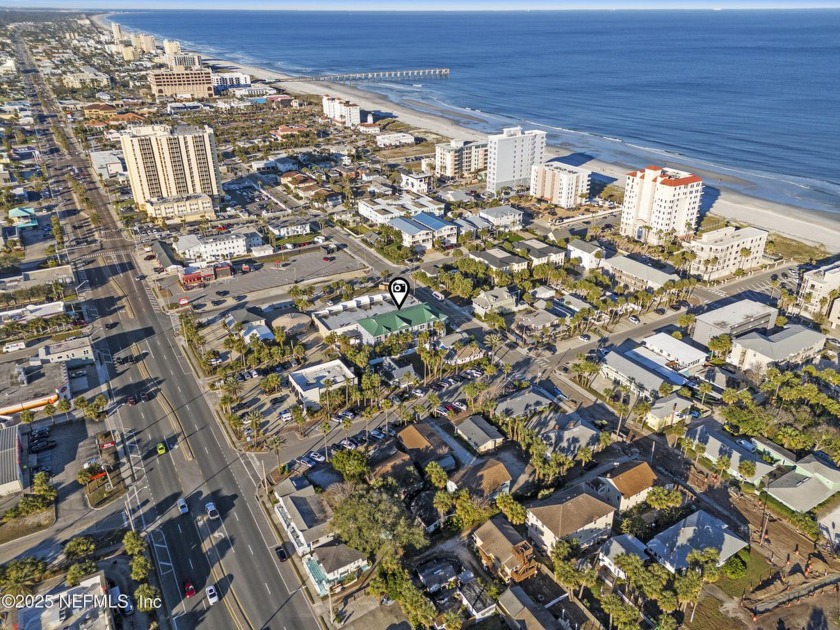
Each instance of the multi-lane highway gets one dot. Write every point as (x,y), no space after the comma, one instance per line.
(236,551)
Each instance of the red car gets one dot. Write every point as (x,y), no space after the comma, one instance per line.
(327,259)
(132,401)
(189,589)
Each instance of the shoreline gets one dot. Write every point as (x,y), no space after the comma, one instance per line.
(802,224)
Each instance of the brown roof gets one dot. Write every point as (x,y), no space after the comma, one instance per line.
(497,538)
(571,515)
(483,478)
(398,466)
(631,478)
(422,443)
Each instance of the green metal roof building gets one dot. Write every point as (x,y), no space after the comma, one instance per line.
(413,318)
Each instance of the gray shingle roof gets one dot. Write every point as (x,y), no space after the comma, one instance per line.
(783,345)
(697,531)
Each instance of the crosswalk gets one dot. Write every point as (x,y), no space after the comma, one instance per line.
(152,298)
(716,291)
(103,253)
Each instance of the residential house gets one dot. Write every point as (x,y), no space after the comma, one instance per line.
(415,236)
(520,612)
(501,300)
(304,514)
(811,482)
(476,599)
(462,348)
(399,371)
(787,349)
(582,516)
(503,218)
(696,532)
(640,370)
(568,435)
(416,182)
(503,550)
(482,436)
(523,404)
(424,445)
(485,479)
(423,509)
(334,564)
(718,444)
(636,275)
(498,259)
(534,321)
(541,253)
(471,224)
(627,485)
(436,574)
(400,468)
(677,355)
(589,253)
(624,544)
(668,411)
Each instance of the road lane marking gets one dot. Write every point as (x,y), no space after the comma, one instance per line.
(191,564)
(266,588)
(179,528)
(236,516)
(252,551)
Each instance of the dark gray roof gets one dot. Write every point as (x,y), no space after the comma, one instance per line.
(477,430)
(336,555)
(9,470)
(783,345)
(164,254)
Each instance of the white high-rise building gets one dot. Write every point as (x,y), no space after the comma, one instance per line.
(460,157)
(171,47)
(563,185)
(658,200)
(818,289)
(116,29)
(179,60)
(165,162)
(510,156)
(231,79)
(344,112)
(722,252)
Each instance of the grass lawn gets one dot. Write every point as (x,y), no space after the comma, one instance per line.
(711,222)
(26,525)
(757,569)
(796,250)
(297,238)
(358,229)
(101,494)
(708,616)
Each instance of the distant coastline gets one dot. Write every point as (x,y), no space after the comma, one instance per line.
(803,224)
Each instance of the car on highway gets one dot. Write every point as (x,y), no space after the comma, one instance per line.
(161,448)
(189,589)
(281,554)
(183,508)
(131,401)
(139,278)
(144,396)
(318,457)
(327,259)
(634,320)
(212,594)
(585,337)
(211,510)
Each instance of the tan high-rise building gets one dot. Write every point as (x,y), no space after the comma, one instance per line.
(130,53)
(563,185)
(116,29)
(196,83)
(460,157)
(166,163)
(147,43)
(171,47)
(657,201)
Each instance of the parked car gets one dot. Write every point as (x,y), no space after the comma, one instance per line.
(285,416)
(318,457)
(419,392)
(349,445)
(377,434)
(40,447)
(281,553)
(347,414)
(307,461)
(634,320)
(460,406)
(585,337)
(361,439)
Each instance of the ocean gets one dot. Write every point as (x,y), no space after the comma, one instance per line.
(752,96)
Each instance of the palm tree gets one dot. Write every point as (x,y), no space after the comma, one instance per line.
(275,442)
(346,424)
(325,429)
(63,406)
(21,577)
(49,411)
(705,389)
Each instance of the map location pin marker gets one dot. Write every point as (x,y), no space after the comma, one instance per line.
(398,288)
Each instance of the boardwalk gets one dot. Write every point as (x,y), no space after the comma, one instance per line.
(424,73)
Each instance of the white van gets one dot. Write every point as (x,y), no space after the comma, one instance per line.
(12,347)
(438,296)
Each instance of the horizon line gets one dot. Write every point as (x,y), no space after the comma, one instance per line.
(430,10)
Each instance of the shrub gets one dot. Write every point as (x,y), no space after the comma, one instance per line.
(735,568)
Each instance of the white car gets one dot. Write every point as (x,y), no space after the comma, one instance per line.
(634,320)
(212,594)
(212,512)
(318,457)
(183,508)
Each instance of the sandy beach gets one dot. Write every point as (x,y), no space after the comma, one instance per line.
(798,223)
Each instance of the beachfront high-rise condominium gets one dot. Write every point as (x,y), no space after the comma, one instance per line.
(146,43)
(341,111)
(510,156)
(196,83)
(563,185)
(658,201)
(116,29)
(130,53)
(722,252)
(224,80)
(171,47)
(819,289)
(183,61)
(458,158)
(168,162)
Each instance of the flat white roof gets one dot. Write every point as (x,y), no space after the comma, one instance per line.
(314,377)
(734,314)
(674,349)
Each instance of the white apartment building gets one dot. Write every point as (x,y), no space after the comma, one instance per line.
(344,112)
(504,218)
(85,77)
(382,209)
(815,292)
(386,140)
(183,60)
(163,162)
(171,47)
(231,79)
(416,182)
(222,247)
(186,208)
(510,156)
(658,200)
(460,157)
(563,185)
(192,83)
(722,252)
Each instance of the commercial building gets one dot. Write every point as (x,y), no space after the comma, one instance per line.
(413,319)
(304,514)
(85,77)
(185,208)
(458,158)
(224,80)
(10,453)
(343,318)
(817,288)
(309,383)
(387,140)
(734,319)
(675,353)
(787,349)
(107,164)
(28,386)
(144,42)
(220,247)
(186,61)
(341,111)
(659,201)
(563,185)
(165,162)
(78,607)
(641,370)
(510,156)
(195,83)
(637,275)
(722,252)
(72,351)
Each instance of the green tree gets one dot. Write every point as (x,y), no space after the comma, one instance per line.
(43,489)
(513,510)
(720,345)
(436,475)
(735,568)
(27,416)
(134,544)
(141,567)
(79,548)
(78,571)
(146,596)
(662,498)
(352,465)
(21,577)
(746,468)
